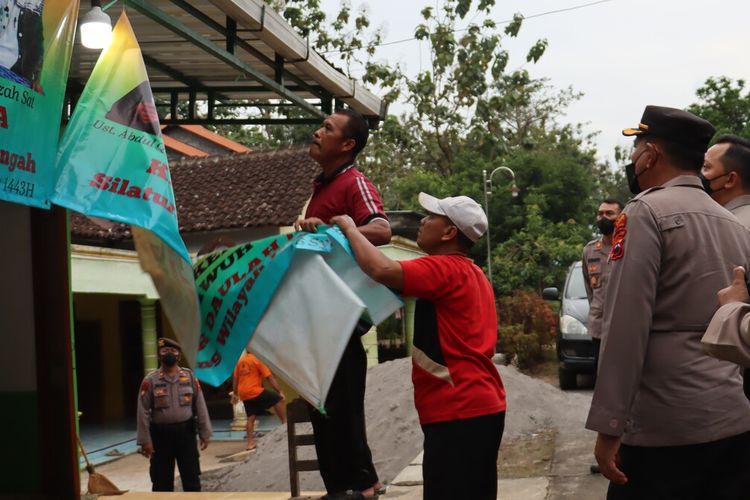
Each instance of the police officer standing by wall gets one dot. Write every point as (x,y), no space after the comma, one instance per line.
(170,406)
(672,422)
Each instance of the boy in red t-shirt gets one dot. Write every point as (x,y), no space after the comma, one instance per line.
(247,386)
(458,393)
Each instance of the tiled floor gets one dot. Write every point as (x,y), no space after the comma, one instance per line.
(112,440)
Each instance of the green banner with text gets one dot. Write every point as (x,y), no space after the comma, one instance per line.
(36,41)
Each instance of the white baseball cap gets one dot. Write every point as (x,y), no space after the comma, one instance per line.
(464,212)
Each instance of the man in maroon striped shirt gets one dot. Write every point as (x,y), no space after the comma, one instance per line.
(344,456)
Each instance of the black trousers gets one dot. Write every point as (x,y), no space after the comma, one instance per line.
(344,457)
(174,442)
(460,458)
(719,470)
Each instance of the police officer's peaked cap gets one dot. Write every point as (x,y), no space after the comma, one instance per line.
(165,342)
(674,125)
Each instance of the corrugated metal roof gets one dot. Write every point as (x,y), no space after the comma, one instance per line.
(202,47)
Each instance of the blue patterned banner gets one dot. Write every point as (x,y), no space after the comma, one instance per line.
(236,286)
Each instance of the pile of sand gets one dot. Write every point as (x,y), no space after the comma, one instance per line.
(393,429)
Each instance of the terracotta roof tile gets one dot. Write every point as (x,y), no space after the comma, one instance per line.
(84,228)
(233,191)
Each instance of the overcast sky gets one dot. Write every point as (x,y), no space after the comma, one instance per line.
(621,54)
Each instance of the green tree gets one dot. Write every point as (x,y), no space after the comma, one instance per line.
(517,112)
(465,62)
(612,182)
(725,103)
(344,38)
(467,113)
(555,167)
(538,254)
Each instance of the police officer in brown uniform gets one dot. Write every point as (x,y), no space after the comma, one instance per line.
(596,268)
(596,274)
(170,406)
(728,334)
(726,177)
(672,422)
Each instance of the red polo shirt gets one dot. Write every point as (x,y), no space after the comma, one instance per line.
(455,331)
(346,192)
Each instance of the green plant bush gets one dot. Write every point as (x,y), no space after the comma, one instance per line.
(526,324)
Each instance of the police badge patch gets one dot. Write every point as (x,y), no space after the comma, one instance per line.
(618,238)
(144,387)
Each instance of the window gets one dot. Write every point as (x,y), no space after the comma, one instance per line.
(575,288)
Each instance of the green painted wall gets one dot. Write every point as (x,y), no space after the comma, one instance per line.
(370,343)
(399,251)
(19,463)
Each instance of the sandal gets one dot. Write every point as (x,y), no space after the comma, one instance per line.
(357,495)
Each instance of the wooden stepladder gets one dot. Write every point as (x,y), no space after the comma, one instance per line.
(297,413)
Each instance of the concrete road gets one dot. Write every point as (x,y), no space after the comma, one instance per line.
(570,477)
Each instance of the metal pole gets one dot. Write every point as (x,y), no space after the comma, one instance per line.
(487,212)
(486,187)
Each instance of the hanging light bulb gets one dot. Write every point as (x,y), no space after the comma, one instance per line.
(96,27)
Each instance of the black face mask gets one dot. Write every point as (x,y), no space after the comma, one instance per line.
(169,359)
(632,177)
(606,226)
(707,183)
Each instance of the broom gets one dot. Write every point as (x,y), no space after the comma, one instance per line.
(98,483)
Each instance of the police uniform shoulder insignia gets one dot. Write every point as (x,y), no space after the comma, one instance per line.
(647,191)
(145,386)
(618,238)
(598,244)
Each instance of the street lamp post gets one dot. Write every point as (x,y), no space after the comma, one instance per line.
(487,188)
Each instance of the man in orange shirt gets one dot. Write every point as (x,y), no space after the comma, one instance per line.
(247,386)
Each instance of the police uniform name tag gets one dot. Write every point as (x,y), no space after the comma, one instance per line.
(594,281)
(161,396)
